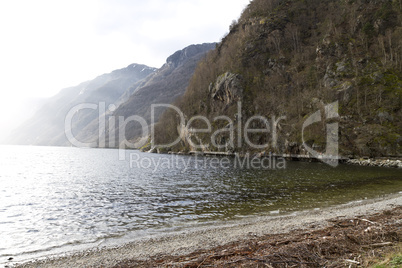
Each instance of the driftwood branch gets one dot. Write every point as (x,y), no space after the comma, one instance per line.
(352,261)
(378,245)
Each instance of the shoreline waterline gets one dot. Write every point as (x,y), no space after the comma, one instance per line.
(205,237)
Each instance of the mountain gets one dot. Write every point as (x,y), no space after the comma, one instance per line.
(47,126)
(122,93)
(287,62)
(161,87)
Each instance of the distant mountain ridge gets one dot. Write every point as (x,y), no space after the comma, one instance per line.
(47,127)
(130,91)
(161,87)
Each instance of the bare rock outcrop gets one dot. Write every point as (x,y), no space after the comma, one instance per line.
(227,88)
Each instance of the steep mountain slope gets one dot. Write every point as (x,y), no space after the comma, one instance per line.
(47,126)
(162,87)
(288,59)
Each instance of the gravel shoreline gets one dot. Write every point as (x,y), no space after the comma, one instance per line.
(390,163)
(188,241)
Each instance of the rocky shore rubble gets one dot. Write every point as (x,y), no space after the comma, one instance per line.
(376,162)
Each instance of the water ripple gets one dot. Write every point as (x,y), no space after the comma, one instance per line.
(52,198)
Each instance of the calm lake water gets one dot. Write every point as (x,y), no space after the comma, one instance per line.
(54,199)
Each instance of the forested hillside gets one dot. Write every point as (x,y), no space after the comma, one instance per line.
(291,59)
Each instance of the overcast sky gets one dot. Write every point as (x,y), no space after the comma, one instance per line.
(47,45)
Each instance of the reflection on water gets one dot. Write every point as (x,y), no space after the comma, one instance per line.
(54,197)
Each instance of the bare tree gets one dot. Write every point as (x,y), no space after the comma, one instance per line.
(293,31)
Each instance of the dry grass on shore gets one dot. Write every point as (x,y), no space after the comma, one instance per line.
(355,242)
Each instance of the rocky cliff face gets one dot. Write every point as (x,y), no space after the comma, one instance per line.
(227,89)
(180,57)
(291,59)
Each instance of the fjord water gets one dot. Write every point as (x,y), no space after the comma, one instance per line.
(58,199)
